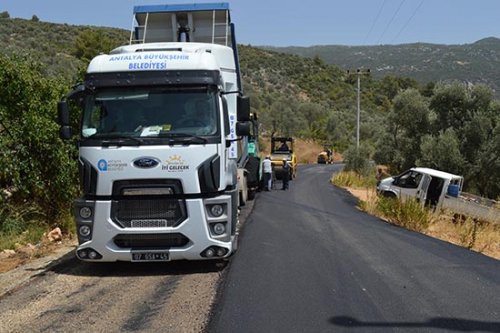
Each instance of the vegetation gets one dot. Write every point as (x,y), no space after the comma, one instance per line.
(475,63)
(456,129)
(38,172)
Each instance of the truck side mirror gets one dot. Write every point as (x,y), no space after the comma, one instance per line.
(63,113)
(243,128)
(243,108)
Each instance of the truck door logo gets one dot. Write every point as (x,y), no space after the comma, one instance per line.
(146,162)
(175,163)
(102,165)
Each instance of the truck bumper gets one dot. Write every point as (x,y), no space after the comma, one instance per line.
(195,238)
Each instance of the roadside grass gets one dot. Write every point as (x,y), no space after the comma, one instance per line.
(22,224)
(353,179)
(479,236)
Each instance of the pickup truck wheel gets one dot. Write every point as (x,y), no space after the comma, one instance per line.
(389,195)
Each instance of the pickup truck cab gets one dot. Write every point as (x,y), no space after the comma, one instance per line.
(428,186)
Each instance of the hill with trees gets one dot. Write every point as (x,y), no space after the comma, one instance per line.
(475,63)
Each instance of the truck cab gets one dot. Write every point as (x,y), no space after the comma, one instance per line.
(158,140)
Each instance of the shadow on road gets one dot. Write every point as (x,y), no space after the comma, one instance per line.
(459,325)
(70,265)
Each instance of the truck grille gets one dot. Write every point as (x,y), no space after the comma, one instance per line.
(148,212)
(150,241)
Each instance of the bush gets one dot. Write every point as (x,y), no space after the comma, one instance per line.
(356,159)
(407,213)
(35,165)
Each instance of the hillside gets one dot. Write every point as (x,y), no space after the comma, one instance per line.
(51,44)
(476,63)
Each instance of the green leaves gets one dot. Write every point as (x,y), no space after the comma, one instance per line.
(32,156)
(90,43)
(455,130)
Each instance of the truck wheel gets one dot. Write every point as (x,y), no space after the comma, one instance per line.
(242,200)
(389,195)
(243,197)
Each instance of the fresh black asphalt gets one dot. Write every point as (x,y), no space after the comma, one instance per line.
(310,261)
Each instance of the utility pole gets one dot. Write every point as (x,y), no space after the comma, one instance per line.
(358,73)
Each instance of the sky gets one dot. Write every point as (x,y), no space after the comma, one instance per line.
(302,23)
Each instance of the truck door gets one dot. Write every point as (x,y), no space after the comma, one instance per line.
(408,184)
(423,188)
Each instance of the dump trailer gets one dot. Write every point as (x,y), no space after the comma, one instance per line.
(282,148)
(163,139)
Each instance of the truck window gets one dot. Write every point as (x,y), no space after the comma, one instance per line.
(409,179)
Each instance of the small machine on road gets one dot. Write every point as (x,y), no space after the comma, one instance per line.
(283,148)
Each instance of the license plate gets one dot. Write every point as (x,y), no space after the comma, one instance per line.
(150,256)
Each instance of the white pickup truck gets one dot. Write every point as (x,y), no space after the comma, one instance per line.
(441,190)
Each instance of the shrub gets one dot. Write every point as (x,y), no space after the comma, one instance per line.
(34,161)
(407,213)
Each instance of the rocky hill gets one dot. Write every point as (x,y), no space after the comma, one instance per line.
(478,62)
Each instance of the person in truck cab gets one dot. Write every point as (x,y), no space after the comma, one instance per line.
(198,115)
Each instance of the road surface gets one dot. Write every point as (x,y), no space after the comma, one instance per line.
(309,261)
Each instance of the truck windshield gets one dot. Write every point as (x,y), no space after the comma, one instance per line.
(151,112)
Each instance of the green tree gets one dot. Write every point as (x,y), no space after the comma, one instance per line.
(442,152)
(450,103)
(4,15)
(406,124)
(486,179)
(357,159)
(34,161)
(313,114)
(90,43)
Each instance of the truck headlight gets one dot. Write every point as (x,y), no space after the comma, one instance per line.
(85,212)
(217,210)
(219,228)
(84,230)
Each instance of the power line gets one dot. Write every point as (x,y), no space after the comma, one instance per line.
(375,21)
(407,22)
(392,19)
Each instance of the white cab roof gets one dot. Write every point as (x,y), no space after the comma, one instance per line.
(437,173)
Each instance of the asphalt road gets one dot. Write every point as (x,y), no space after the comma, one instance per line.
(309,261)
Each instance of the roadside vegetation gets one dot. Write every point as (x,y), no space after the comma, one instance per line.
(479,236)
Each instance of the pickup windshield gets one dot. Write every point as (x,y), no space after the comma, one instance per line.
(150,113)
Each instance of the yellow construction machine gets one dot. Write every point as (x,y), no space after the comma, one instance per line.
(282,149)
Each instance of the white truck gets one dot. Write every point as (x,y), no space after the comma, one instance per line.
(439,189)
(163,136)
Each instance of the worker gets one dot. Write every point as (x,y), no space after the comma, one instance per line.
(267,170)
(379,175)
(286,174)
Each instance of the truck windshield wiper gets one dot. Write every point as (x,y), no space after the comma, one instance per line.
(183,138)
(121,140)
